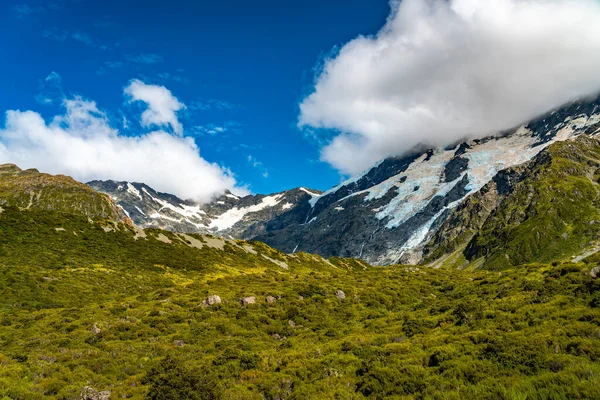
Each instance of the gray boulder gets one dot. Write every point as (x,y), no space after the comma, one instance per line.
(595,272)
(248,300)
(88,393)
(340,295)
(212,300)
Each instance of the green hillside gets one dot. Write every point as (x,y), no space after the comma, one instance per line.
(99,304)
(30,189)
(547,209)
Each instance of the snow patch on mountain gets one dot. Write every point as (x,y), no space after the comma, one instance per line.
(185,211)
(140,210)
(132,189)
(229,218)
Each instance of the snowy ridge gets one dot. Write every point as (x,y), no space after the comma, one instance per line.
(226,215)
(234,215)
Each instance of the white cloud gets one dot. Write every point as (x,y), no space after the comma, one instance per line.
(82,143)
(162,105)
(443,70)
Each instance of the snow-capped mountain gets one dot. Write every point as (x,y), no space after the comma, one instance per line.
(385,215)
(227,215)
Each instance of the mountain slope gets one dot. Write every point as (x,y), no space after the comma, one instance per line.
(31,189)
(543,210)
(551,213)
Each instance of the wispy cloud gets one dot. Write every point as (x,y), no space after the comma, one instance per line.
(212,104)
(55,34)
(212,129)
(51,90)
(258,165)
(172,77)
(105,23)
(23,11)
(208,129)
(84,38)
(145,58)
(108,66)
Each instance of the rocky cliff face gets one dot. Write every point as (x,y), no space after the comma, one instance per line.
(387,215)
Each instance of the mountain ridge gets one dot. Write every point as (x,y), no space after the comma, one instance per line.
(389,213)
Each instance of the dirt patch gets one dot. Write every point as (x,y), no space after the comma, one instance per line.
(215,243)
(139,233)
(277,262)
(162,238)
(191,241)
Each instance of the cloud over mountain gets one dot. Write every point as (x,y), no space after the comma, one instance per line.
(443,70)
(83,143)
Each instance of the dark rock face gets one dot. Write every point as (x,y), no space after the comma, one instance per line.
(547,125)
(387,169)
(455,168)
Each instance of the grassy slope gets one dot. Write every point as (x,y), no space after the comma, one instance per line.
(530,332)
(31,189)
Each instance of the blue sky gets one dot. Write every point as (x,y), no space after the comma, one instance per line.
(241,68)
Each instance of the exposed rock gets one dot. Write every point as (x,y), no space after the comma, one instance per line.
(455,168)
(276,336)
(95,329)
(291,323)
(271,299)
(248,300)
(179,343)
(212,300)
(595,272)
(340,295)
(88,393)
